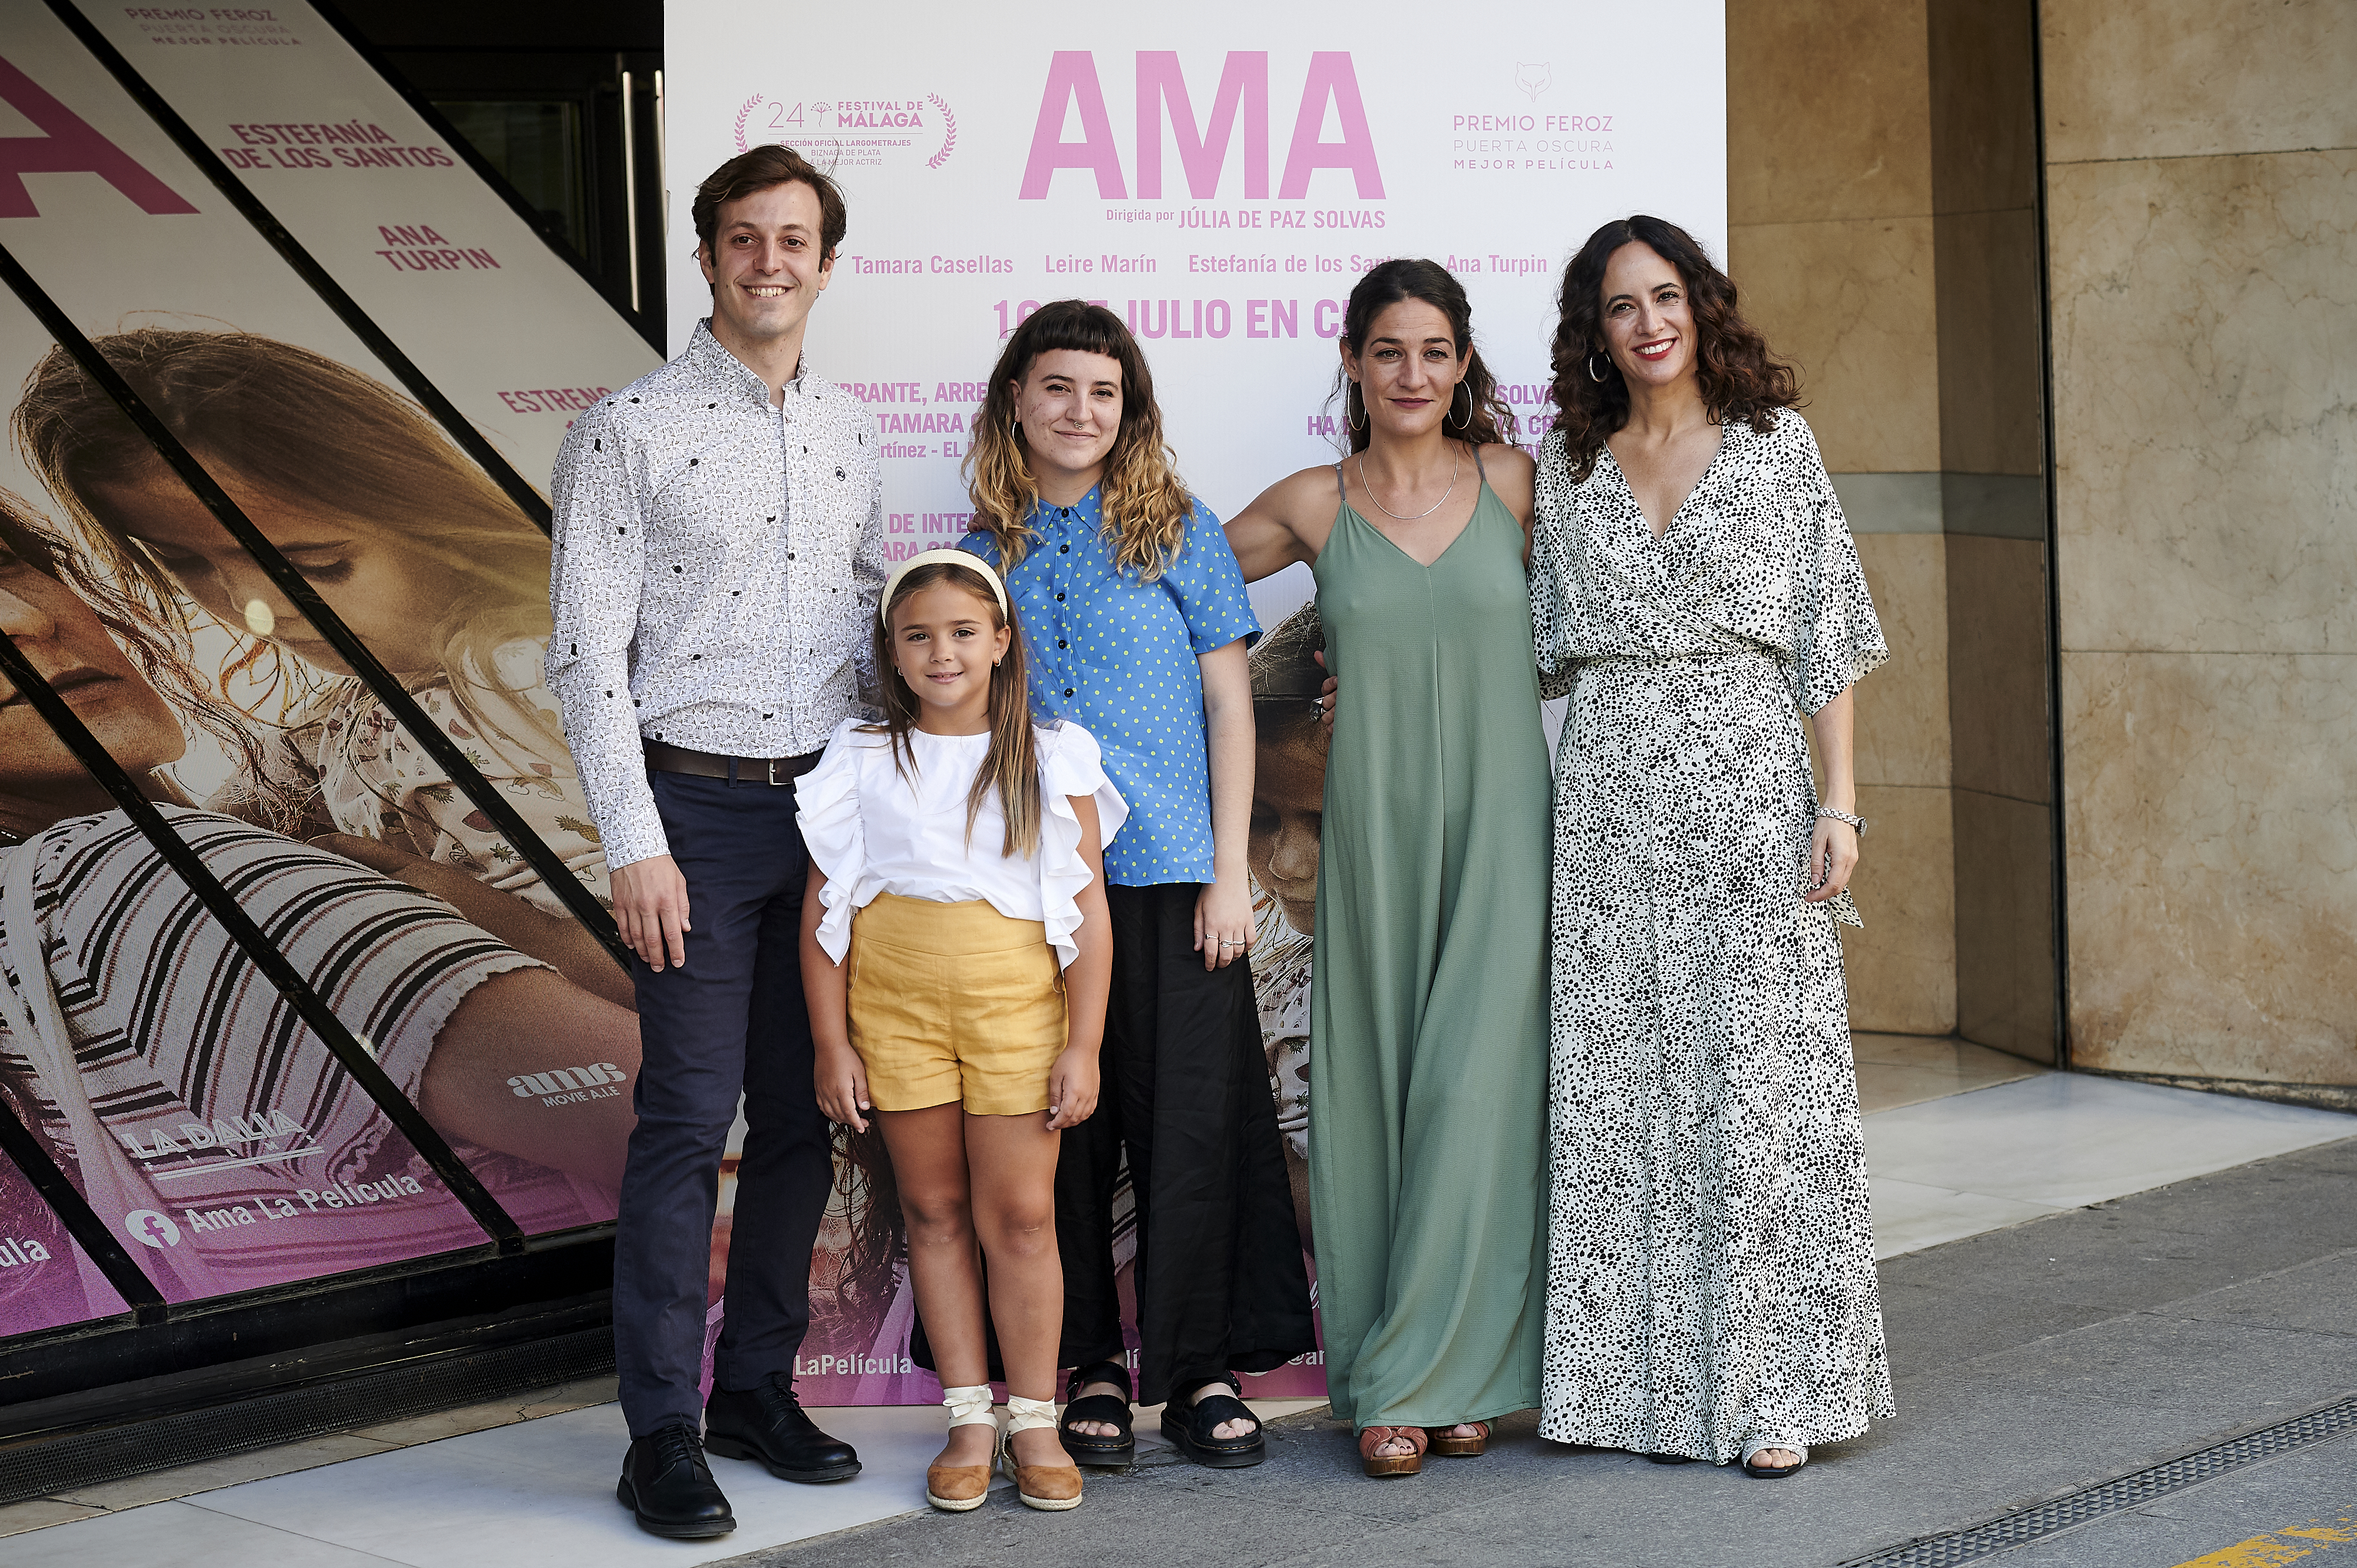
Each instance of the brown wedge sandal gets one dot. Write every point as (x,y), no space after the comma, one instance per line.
(1375,1437)
(1463,1447)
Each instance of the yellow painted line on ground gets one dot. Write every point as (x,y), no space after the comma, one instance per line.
(2278,1548)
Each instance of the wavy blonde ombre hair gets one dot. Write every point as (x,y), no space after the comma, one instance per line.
(1144,501)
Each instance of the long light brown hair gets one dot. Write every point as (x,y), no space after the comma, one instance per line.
(317,434)
(1144,501)
(1011,765)
(1738,376)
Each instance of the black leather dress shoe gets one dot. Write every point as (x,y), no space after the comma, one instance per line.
(767,1423)
(666,1483)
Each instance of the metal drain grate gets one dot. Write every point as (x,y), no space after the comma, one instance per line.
(2129,1491)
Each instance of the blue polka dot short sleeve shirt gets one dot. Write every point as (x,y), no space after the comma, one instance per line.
(1117,656)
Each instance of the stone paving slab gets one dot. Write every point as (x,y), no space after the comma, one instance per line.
(2030,1363)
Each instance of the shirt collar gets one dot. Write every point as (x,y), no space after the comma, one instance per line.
(1082,509)
(724,369)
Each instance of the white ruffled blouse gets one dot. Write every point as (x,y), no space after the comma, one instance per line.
(872,829)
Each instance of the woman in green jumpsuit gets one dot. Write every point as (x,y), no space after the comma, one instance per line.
(1427,1067)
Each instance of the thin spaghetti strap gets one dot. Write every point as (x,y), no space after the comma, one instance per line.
(1339,488)
(1478,469)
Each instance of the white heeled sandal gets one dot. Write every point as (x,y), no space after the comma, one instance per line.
(1771,1471)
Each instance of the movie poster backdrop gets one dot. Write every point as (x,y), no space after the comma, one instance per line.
(199,1118)
(981,180)
(1221,180)
(505,329)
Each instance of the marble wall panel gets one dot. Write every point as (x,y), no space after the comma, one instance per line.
(1902,966)
(1852,304)
(2005,924)
(1992,375)
(1902,708)
(1983,83)
(1827,110)
(2191,78)
(1999,695)
(2001,506)
(1890,503)
(2206,401)
(2212,862)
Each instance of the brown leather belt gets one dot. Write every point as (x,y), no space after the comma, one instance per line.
(773,770)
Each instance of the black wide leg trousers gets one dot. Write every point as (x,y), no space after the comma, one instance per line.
(1219,1278)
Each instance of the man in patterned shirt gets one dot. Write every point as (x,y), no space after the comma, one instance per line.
(719,550)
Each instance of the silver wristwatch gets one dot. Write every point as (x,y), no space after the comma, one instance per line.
(1827,814)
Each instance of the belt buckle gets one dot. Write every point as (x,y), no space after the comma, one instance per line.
(774,779)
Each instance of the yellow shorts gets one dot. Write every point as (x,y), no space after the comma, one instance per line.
(954,1002)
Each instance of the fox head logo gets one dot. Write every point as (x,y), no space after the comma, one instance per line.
(1534,79)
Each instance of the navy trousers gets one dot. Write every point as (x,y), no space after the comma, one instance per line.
(732,1019)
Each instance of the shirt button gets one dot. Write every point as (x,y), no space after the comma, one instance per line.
(1060,598)
(1068,691)
(1064,550)
(1060,642)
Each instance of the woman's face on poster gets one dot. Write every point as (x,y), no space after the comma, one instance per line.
(68,645)
(388,596)
(1288,807)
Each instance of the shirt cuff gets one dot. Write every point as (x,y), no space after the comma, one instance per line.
(637,836)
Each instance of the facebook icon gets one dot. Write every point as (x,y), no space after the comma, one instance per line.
(155,1229)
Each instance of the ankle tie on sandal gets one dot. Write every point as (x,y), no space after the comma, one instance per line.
(969,1406)
(1028,1415)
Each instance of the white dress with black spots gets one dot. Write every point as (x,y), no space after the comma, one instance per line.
(1712,1251)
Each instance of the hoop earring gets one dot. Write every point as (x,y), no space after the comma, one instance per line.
(1591,369)
(1461,424)
(1360,423)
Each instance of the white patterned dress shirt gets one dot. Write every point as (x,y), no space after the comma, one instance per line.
(717,564)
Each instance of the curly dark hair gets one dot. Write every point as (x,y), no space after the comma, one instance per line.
(1487,417)
(1740,377)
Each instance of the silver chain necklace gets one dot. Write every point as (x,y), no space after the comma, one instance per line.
(1456,461)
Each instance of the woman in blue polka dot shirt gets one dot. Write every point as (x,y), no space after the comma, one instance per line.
(1135,619)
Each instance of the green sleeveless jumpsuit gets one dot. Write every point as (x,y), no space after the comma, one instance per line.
(1428,1026)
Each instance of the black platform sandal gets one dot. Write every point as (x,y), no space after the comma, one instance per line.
(1091,1449)
(1189,1426)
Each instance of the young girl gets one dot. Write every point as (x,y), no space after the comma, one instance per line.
(1137,619)
(957,852)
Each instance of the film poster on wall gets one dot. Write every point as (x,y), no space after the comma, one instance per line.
(1221,194)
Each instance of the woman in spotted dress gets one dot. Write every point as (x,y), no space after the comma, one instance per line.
(1711,1291)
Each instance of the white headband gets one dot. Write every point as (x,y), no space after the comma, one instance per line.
(964,558)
